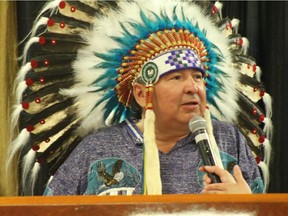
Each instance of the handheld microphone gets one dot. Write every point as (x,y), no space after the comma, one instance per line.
(197,126)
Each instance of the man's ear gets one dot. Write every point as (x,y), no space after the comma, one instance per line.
(139,94)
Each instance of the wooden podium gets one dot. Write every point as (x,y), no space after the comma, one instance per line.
(136,205)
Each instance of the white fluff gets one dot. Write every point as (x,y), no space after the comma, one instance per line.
(27,164)
(268,105)
(21,87)
(219,6)
(34,175)
(258,73)
(22,72)
(17,144)
(267,151)
(17,109)
(265,171)
(235,24)
(245,45)
(31,41)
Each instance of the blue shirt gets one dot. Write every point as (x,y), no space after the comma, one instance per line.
(110,162)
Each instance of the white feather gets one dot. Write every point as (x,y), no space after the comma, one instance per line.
(267,151)
(268,128)
(41,22)
(258,73)
(265,171)
(235,24)
(17,109)
(27,46)
(27,164)
(22,72)
(21,87)
(51,6)
(50,179)
(268,105)
(34,175)
(219,6)
(245,45)
(17,144)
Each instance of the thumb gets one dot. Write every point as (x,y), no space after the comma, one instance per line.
(238,174)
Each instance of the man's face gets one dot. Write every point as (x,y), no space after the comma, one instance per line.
(179,96)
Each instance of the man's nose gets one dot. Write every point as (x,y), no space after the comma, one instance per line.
(190,85)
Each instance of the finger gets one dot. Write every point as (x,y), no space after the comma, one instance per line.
(202,169)
(206,180)
(224,175)
(238,174)
(215,187)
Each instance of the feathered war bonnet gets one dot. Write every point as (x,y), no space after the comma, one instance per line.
(146,39)
(117,47)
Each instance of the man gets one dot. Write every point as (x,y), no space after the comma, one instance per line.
(137,82)
(111,161)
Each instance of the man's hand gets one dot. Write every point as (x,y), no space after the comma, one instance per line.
(228,185)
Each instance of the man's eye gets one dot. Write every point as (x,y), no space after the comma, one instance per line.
(176,77)
(198,76)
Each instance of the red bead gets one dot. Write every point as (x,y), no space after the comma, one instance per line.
(29,82)
(62,25)
(258,160)
(30,128)
(47,140)
(254,131)
(42,121)
(42,80)
(50,22)
(42,40)
(40,160)
(261,139)
(262,92)
(248,66)
(72,9)
(254,68)
(255,89)
(53,42)
(25,105)
(254,111)
(46,62)
(36,147)
(37,100)
(214,10)
(261,118)
(241,41)
(62,4)
(34,63)
(231,26)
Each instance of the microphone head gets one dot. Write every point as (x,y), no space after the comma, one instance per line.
(197,123)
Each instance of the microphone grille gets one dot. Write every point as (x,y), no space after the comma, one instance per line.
(197,123)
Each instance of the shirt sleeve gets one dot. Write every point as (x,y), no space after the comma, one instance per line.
(235,150)
(249,167)
(70,178)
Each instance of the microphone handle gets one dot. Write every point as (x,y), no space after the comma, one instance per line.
(208,159)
